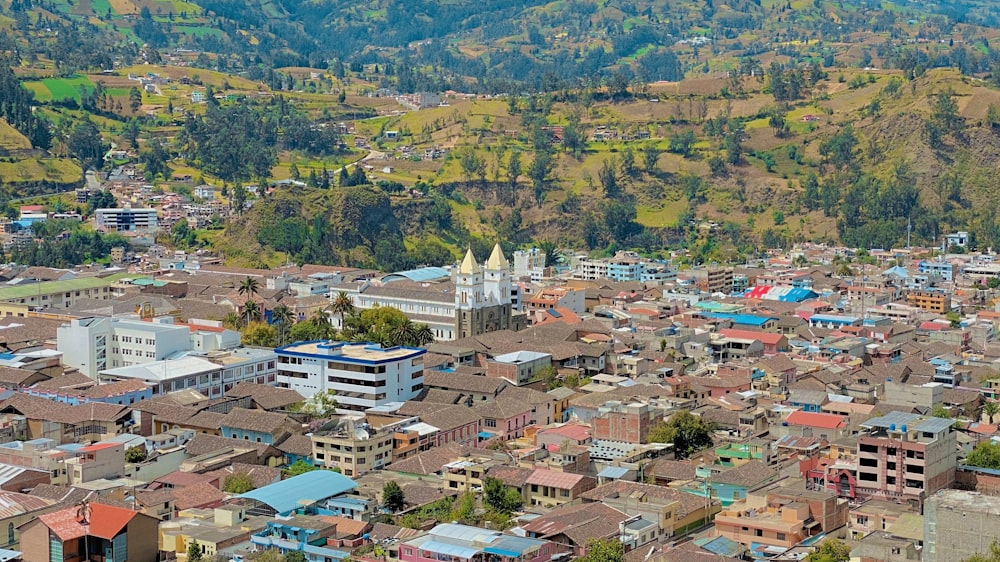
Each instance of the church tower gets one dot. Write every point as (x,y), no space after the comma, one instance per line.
(470,297)
(497,285)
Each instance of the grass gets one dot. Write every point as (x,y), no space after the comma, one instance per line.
(664,216)
(11,139)
(37,169)
(51,89)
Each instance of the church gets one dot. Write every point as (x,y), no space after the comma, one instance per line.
(468,300)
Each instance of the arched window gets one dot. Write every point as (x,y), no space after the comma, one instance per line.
(10,533)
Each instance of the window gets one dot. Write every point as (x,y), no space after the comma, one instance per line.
(781,536)
(758,532)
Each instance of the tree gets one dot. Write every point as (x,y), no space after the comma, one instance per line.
(608,176)
(991,409)
(257,333)
(832,550)
(682,143)
(985,455)
(134,99)
(500,497)
(194,549)
(604,550)
(687,432)
(628,161)
(282,316)
(298,467)
(992,556)
(514,167)
(392,496)
(342,305)
(941,411)
(249,287)
(86,145)
(321,404)
(238,483)
(650,157)
(135,454)
(295,556)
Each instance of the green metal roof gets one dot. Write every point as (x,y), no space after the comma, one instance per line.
(50,287)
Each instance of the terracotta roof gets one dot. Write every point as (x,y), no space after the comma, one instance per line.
(501,408)
(581,523)
(255,420)
(465,383)
(34,407)
(573,431)
(346,528)
(554,479)
(180,479)
(749,474)
(260,475)
(298,445)
(61,494)
(266,396)
(442,416)
(115,389)
(619,488)
(198,495)
(767,338)
(515,476)
(387,531)
(104,521)
(430,461)
(149,498)
(65,381)
(673,470)
(816,419)
(10,376)
(203,443)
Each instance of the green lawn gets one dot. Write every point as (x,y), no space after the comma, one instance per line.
(59,88)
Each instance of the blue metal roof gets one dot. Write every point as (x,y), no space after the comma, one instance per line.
(613,472)
(506,545)
(746,319)
(418,275)
(288,495)
(439,547)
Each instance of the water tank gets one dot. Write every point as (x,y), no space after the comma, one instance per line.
(904,429)
(892,427)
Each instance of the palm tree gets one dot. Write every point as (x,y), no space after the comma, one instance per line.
(282,316)
(232,321)
(249,287)
(991,409)
(251,312)
(321,319)
(341,306)
(403,333)
(423,335)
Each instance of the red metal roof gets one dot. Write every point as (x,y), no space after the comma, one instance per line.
(97,447)
(816,419)
(103,521)
(764,337)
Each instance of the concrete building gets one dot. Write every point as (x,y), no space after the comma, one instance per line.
(530,264)
(932,301)
(557,297)
(959,524)
(212,374)
(68,535)
(363,375)
(95,344)
(126,220)
(627,423)
(354,448)
(93,462)
(905,456)
(518,367)
(461,543)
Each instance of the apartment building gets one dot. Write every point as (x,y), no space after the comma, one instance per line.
(212,374)
(959,524)
(126,219)
(363,375)
(625,266)
(531,264)
(63,294)
(352,446)
(904,456)
(781,515)
(932,301)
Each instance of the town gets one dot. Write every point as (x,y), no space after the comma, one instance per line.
(819,401)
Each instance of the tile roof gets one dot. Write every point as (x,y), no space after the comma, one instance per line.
(442,416)
(199,495)
(104,521)
(767,338)
(255,420)
(111,390)
(266,396)
(430,461)
(501,408)
(34,407)
(574,431)
(515,476)
(260,475)
(554,479)
(581,523)
(346,527)
(298,445)
(673,470)
(749,474)
(204,419)
(816,419)
(203,443)
(10,376)
(619,488)
(181,479)
(466,383)
(65,381)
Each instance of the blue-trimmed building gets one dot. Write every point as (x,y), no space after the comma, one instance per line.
(745,321)
(364,375)
(307,535)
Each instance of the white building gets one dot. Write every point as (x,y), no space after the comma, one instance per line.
(126,220)
(463,301)
(363,375)
(95,344)
(212,374)
(530,263)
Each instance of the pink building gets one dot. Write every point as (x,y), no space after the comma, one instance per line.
(462,543)
(503,418)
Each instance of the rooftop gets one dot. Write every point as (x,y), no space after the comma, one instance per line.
(288,495)
(359,352)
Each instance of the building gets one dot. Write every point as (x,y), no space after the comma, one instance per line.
(628,423)
(959,524)
(557,297)
(308,535)
(530,264)
(64,294)
(94,344)
(18,510)
(212,374)
(126,219)
(518,367)
(462,543)
(932,301)
(898,456)
(305,494)
(353,447)
(467,301)
(270,428)
(625,266)
(89,531)
(940,268)
(550,488)
(93,462)
(363,375)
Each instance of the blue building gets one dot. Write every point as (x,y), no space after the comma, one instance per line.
(939,268)
(307,535)
(257,426)
(745,321)
(319,492)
